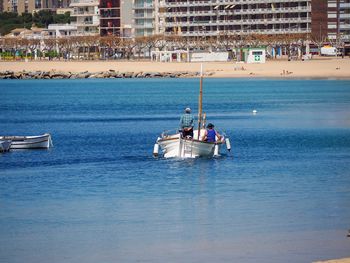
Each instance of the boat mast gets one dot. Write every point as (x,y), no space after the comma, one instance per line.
(200,101)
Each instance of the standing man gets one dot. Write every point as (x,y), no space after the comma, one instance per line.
(187,123)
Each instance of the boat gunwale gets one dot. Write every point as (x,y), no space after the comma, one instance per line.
(24,138)
(189,140)
(25,142)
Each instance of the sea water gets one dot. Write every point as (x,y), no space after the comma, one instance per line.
(281,195)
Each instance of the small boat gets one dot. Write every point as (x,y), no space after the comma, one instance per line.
(5,145)
(29,142)
(174,145)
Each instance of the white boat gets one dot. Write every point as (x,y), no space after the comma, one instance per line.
(29,142)
(173,145)
(5,145)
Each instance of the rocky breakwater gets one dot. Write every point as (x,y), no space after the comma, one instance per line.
(53,74)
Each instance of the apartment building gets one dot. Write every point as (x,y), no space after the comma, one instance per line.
(54,4)
(212,17)
(144,17)
(331,20)
(344,20)
(28,6)
(86,13)
(110,23)
(126,18)
(338,20)
(19,6)
(97,16)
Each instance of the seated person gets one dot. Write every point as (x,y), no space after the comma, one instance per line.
(187,123)
(211,134)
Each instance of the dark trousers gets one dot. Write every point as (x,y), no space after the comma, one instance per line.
(186,132)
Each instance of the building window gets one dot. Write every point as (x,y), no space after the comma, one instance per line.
(332,25)
(37,4)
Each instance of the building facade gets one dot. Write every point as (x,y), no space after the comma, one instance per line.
(319,28)
(54,4)
(144,17)
(97,16)
(126,19)
(331,20)
(19,6)
(210,18)
(28,6)
(61,30)
(86,13)
(110,23)
(338,20)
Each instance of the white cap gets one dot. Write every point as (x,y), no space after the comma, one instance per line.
(188,109)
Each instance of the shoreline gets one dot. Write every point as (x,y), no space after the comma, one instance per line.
(318,68)
(340,260)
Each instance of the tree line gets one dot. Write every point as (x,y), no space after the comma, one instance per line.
(114,47)
(10,21)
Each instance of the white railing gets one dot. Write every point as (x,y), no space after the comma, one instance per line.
(273,10)
(144,6)
(243,32)
(240,22)
(147,25)
(84,1)
(223,2)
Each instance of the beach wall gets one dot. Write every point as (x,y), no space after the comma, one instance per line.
(53,74)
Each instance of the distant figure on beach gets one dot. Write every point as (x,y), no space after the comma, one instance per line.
(211,134)
(187,123)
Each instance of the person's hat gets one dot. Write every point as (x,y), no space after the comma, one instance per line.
(188,109)
(210,126)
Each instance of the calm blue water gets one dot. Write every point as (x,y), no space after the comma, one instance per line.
(282,195)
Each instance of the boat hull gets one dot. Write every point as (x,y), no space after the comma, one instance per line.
(30,142)
(5,145)
(175,146)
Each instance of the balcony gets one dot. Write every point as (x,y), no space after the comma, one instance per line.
(223,2)
(109,13)
(199,13)
(143,16)
(344,26)
(144,26)
(270,1)
(109,4)
(144,6)
(86,23)
(77,3)
(200,33)
(238,22)
(198,3)
(345,5)
(272,11)
(84,13)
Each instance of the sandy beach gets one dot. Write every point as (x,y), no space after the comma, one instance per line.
(315,68)
(343,260)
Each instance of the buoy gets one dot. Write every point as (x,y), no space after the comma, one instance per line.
(216,150)
(228,144)
(255,112)
(155,150)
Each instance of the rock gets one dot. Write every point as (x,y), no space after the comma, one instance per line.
(17,75)
(128,74)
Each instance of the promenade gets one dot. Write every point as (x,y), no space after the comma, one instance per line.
(315,68)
